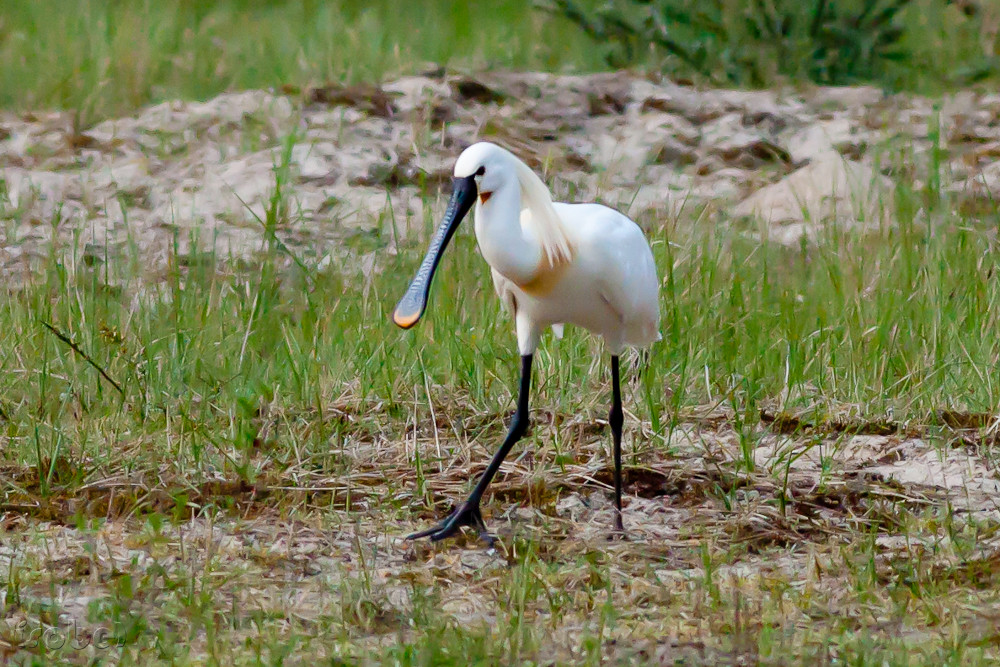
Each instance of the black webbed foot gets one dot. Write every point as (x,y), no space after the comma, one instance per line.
(464,515)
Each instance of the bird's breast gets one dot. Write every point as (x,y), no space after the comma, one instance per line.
(546,278)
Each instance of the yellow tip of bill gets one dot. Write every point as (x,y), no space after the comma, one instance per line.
(405,320)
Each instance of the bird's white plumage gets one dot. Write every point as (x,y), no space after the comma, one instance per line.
(552,264)
(555,263)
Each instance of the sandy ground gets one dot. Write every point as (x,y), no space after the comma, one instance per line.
(354,156)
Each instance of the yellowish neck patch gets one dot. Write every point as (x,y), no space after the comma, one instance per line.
(547,277)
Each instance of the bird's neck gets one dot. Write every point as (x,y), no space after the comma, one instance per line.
(505,244)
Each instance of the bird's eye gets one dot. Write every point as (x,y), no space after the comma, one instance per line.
(480,171)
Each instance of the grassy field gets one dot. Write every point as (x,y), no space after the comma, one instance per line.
(105,58)
(215,462)
(266,436)
(898,330)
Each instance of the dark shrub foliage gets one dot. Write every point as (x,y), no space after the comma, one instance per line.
(755,42)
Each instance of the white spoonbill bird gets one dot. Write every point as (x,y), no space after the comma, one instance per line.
(552,263)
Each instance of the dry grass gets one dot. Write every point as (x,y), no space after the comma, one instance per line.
(830,559)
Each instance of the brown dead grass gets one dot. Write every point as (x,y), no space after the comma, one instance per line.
(710,543)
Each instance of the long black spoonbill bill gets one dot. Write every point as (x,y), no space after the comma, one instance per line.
(552,263)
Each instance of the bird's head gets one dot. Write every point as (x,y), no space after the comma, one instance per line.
(488,165)
(480,170)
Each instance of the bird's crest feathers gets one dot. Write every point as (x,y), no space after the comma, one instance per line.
(544,221)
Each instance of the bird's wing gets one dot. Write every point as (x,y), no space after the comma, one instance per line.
(624,268)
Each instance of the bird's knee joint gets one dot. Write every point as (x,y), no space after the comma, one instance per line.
(616,418)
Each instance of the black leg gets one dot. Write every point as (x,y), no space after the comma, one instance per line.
(616,418)
(468,513)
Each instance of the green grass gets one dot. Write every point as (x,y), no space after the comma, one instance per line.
(895,326)
(104,58)
(274,376)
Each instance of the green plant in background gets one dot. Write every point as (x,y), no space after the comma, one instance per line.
(760,42)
